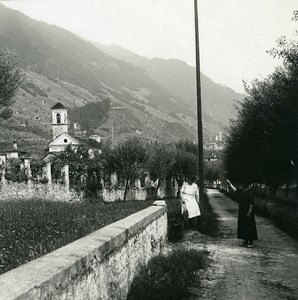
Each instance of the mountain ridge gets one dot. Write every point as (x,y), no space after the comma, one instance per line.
(63,67)
(179,77)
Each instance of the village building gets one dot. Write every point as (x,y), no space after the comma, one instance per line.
(210,157)
(216,146)
(11,152)
(61,138)
(14,153)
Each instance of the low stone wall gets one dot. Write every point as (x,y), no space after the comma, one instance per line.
(101,265)
(57,192)
(111,195)
(53,191)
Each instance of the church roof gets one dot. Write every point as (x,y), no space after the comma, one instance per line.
(60,140)
(58,105)
(90,143)
(5,148)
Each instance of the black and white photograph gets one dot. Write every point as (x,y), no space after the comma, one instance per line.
(148,149)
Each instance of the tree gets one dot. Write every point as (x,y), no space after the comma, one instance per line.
(10,77)
(212,170)
(161,162)
(127,159)
(85,172)
(91,115)
(186,162)
(262,145)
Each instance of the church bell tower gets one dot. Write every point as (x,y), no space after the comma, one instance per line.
(59,119)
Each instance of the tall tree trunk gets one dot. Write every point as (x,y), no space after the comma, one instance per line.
(273,189)
(126,189)
(296,190)
(156,191)
(287,189)
(180,182)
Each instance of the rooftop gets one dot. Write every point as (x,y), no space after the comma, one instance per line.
(58,105)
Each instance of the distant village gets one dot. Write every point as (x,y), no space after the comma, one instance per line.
(60,142)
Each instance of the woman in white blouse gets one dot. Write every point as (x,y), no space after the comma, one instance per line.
(190,200)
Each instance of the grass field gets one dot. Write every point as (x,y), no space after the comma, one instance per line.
(32,228)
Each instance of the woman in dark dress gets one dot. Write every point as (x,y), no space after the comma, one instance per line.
(247,229)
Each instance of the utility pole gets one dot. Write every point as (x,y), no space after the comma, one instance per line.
(113,130)
(199,103)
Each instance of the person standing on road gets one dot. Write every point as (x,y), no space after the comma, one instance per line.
(189,202)
(247,229)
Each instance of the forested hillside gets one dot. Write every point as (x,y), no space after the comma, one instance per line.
(156,102)
(179,78)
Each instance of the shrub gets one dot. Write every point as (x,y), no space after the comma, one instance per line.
(175,221)
(6,113)
(44,180)
(16,177)
(283,215)
(168,277)
(91,115)
(209,219)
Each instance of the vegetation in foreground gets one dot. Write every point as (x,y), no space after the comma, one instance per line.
(30,229)
(262,145)
(169,277)
(209,224)
(175,221)
(283,215)
(209,219)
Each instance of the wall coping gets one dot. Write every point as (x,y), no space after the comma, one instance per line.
(17,283)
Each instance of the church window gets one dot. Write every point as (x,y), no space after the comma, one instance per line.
(65,141)
(58,118)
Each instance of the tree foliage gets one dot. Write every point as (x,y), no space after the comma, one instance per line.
(263,143)
(127,159)
(10,77)
(91,115)
(161,162)
(212,170)
(186,162)
(85,171)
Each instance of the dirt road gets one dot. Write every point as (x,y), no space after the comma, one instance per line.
(267,271)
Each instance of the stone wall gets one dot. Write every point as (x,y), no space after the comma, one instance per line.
(58,192)
(49,191)
(101,265)
(111,195)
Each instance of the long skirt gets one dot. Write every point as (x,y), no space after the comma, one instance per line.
(192,206)
(247,229)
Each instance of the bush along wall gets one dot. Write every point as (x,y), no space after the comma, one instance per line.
(208,223)
(175,220)
(168,277)
(283,214)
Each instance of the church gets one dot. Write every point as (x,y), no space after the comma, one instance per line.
(61,138)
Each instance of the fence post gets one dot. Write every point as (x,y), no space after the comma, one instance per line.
(48,172)
(65,172)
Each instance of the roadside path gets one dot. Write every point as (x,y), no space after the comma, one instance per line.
(267,271)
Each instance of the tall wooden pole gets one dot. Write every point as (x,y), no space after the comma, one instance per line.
(199,103)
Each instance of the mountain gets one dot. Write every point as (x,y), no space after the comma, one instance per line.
(58,54)
(180,78)
(61,66)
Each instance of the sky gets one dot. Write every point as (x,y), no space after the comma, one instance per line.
(234,34)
